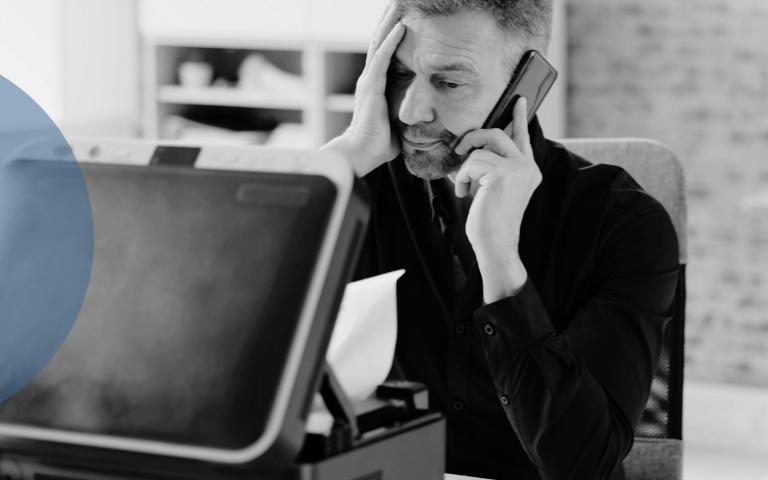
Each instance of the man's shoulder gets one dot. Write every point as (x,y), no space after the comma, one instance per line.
(607,201)
(601,183)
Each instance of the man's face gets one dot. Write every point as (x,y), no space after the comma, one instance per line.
(444,79)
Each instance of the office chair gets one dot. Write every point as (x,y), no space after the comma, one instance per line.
(658,449)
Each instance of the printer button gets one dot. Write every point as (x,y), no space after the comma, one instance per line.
(460,329)
(458,405)
(504,399)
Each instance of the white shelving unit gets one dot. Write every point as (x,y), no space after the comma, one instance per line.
(324,41)
(329,71)
(229,97)
(340,102)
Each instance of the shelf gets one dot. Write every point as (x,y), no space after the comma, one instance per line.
(246,42)
(324,104)
(340,102)
(231,97)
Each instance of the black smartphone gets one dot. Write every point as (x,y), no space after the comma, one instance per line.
(532,79)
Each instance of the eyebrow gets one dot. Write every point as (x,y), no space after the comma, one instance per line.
(451,67)
(455,67)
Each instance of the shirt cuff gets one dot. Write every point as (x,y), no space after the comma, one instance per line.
(520,318)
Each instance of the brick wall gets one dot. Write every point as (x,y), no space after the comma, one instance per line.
(693,74)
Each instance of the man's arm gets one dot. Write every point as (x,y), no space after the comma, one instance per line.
(573,397)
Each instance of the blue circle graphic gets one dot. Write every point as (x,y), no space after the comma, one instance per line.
(46,239)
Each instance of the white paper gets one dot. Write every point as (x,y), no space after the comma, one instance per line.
(363,343)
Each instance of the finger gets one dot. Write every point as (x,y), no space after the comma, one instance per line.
(520,126)
(492,139)
(479,164)
(377,70)
(386,23)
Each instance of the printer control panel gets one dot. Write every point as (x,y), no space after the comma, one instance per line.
(229,157)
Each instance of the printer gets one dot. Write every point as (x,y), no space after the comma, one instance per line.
(199,349)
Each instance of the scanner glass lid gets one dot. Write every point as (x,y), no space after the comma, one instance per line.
(198,283)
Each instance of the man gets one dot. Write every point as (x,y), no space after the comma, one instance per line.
(537,285)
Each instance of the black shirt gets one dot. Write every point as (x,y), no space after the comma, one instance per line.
(547,383)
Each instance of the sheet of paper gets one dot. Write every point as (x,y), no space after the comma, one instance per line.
(363,343)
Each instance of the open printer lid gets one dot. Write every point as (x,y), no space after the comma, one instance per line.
(212,298)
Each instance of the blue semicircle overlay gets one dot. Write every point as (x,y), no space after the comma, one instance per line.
(46,239)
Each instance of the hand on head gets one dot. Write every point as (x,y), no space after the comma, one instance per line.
(368,141)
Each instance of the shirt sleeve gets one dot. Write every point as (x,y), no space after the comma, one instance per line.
(573,396)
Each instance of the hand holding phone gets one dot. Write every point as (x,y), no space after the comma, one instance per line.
(502,173)
(532,79)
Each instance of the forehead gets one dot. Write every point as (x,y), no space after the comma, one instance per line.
(469,39)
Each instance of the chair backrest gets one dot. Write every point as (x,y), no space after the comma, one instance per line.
(657,453)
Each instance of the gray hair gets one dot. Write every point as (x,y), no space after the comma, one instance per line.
(527,20)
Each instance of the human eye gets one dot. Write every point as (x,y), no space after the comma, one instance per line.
(447,84)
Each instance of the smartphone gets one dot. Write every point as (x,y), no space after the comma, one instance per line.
(532,79)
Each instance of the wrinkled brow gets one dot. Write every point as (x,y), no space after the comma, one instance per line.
(398,64)
(451,67)
(455,67)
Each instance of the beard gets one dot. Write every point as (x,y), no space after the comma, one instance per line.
(435,162)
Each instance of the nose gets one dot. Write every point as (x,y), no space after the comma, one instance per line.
(417,104)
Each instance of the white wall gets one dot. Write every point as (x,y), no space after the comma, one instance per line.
(284,19)
(347,20)
(100,67)
(552,113)
(77,58)
(30,53)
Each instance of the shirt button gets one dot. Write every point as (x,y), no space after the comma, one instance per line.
(459,329)
(489,330)
(458,405)
(505,399)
